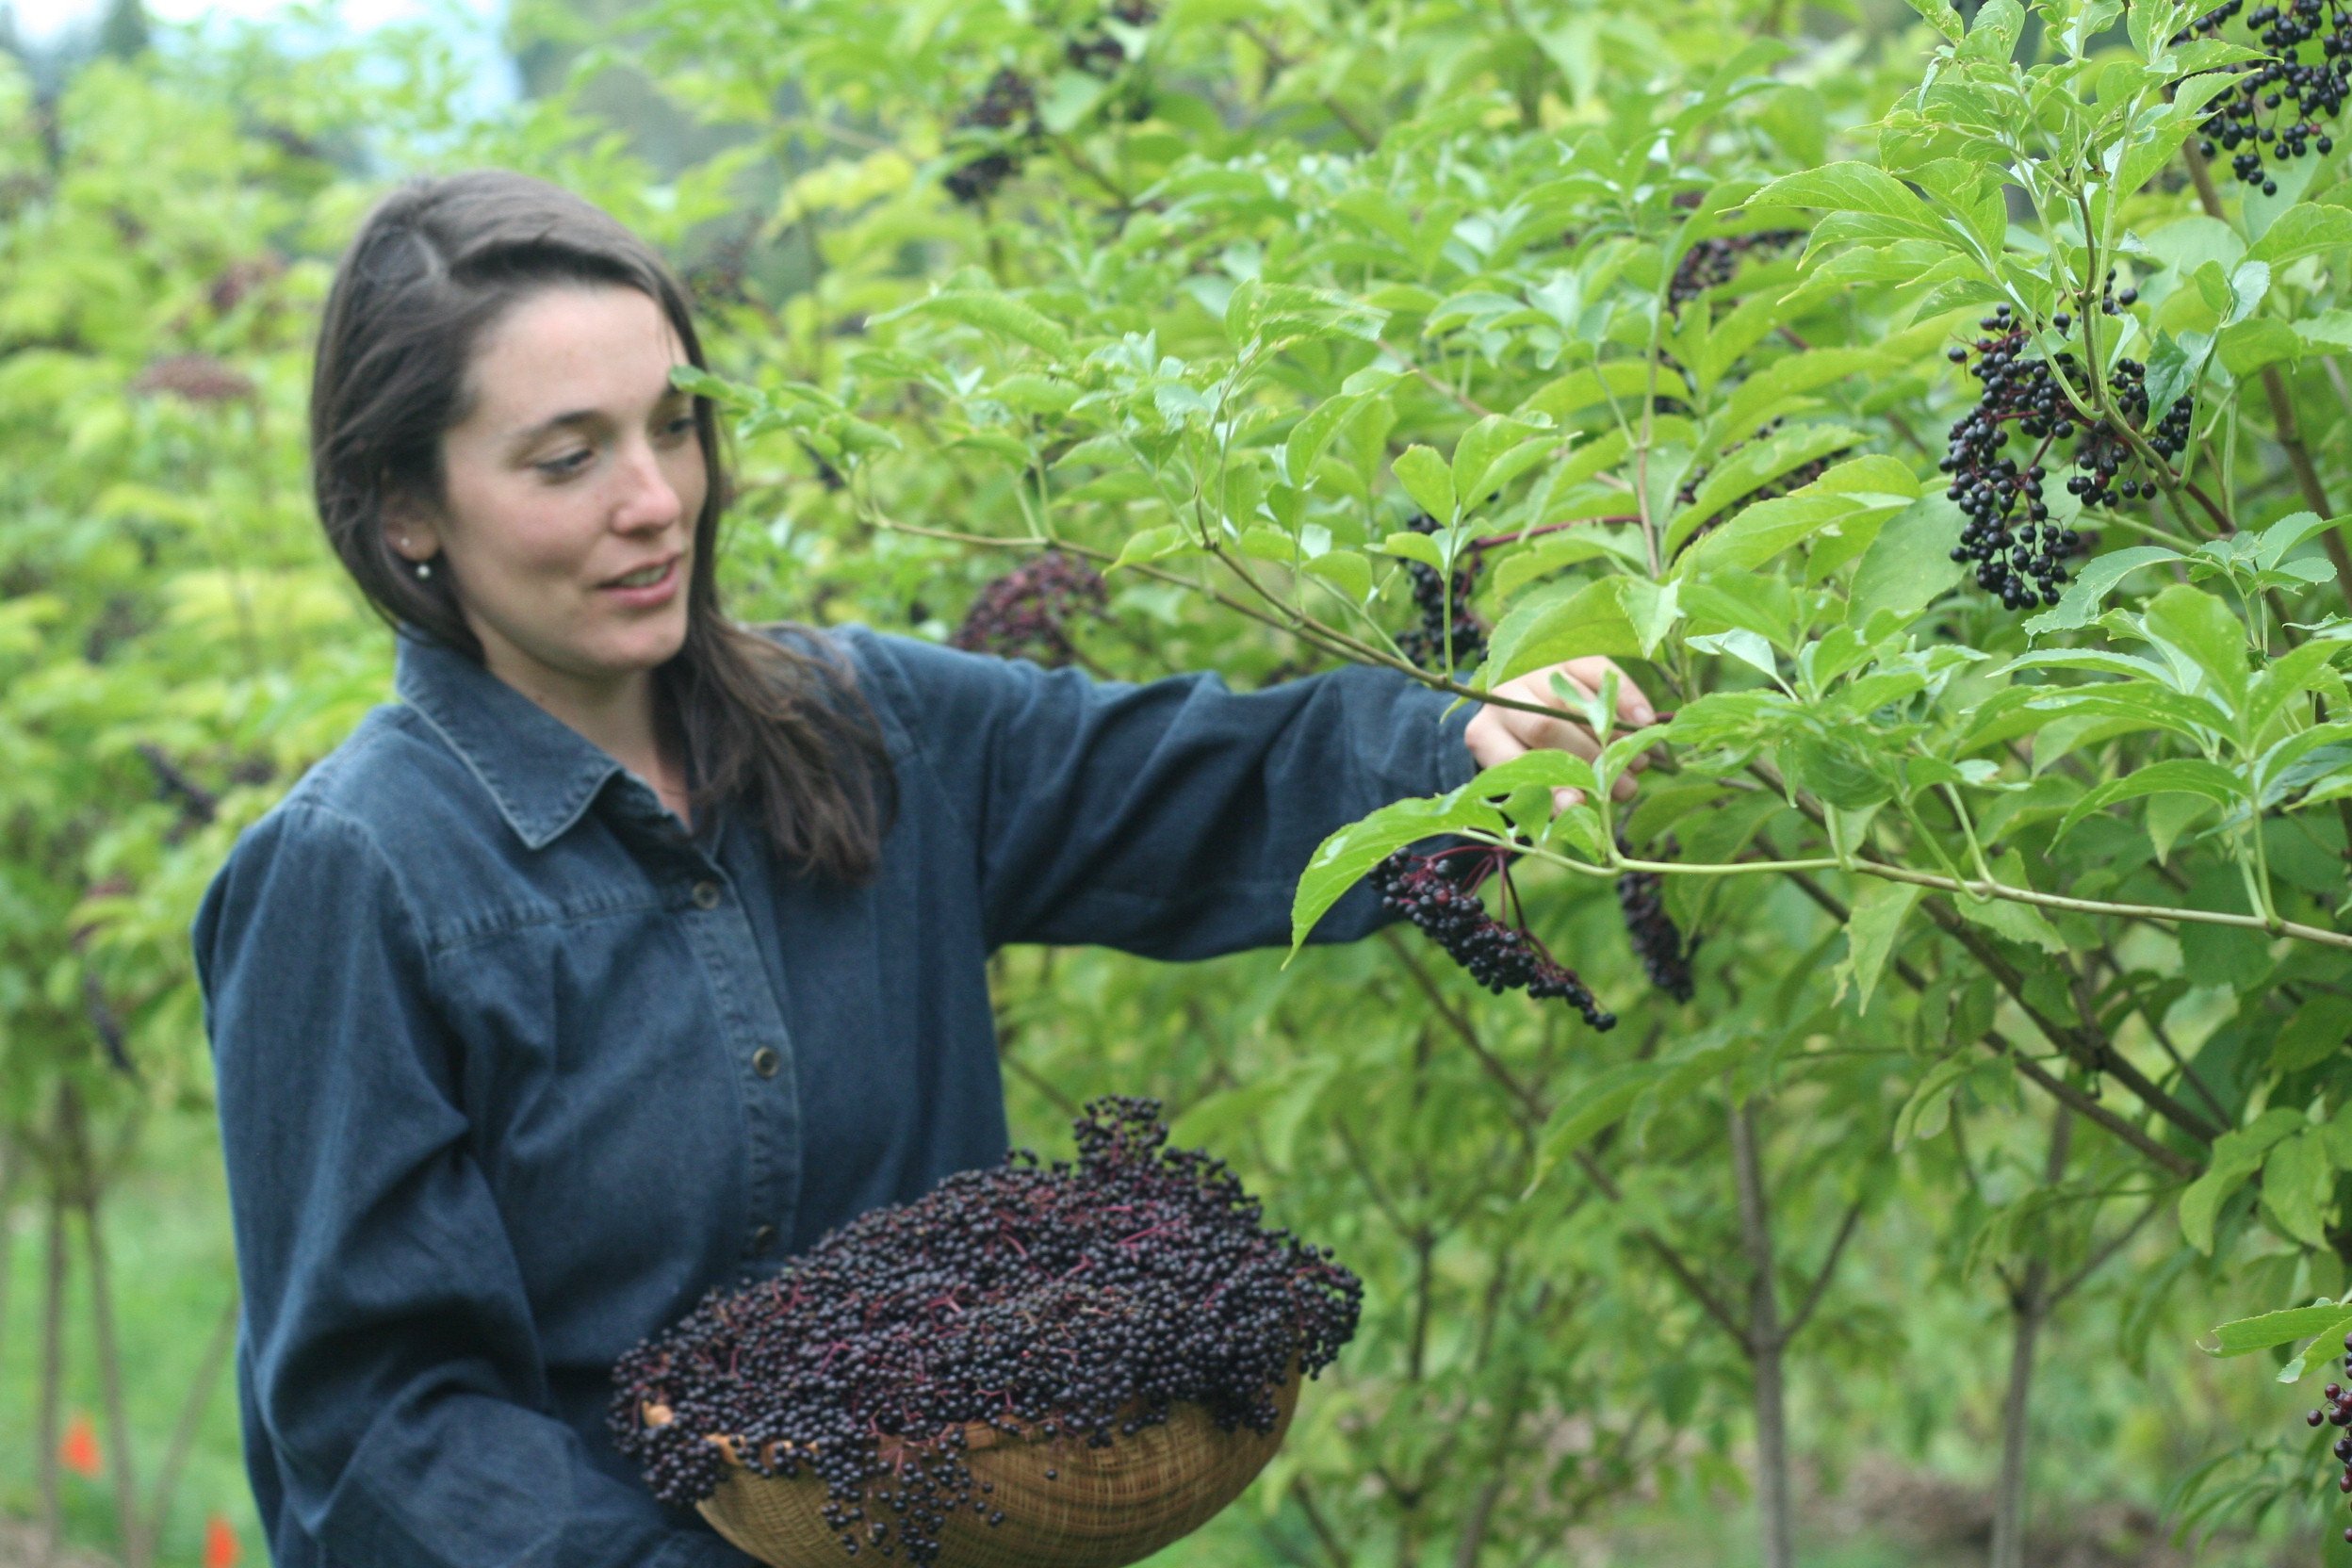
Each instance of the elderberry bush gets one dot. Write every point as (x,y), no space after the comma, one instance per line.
(2336,1411)
(1081,1299)
(1439,894)
(2018,549)
(1025,613)
(1426,643)
(2279,107)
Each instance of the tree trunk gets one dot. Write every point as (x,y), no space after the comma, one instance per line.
(45,1425)
(11,1169)
(2016,1412)
(2029,1307)
(136,1553)
(1765,1345)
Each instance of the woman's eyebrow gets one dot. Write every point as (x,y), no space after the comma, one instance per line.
(580,418)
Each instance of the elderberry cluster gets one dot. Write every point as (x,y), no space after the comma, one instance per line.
(1426,644)
(2276,110)
(1711,263)
(1025,613)
(1656,939)
(2337,1412)
(1078,1300)
(1439,894)
(1007,98)
(2021,559)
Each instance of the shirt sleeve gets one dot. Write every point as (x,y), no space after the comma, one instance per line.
(1172,818)
(394,1363)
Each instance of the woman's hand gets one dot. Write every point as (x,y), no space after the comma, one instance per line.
(1498,734)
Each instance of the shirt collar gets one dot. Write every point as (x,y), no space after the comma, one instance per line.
(542,772)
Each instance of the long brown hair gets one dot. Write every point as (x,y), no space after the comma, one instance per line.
(434,265)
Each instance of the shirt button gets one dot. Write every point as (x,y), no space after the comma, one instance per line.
(705,895)
(763,1239)
(764,1061)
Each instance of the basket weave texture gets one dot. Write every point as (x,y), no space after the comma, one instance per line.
(1106,1508)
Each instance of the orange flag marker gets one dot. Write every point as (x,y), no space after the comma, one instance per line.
(220,1547)
(79,1451)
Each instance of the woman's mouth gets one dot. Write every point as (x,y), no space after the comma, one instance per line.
(647,585)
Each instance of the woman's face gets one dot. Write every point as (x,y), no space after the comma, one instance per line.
(578,465)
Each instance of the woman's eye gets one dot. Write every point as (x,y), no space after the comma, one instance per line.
(679,428)
(565,466)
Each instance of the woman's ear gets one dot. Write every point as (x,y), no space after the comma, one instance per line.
(409,527)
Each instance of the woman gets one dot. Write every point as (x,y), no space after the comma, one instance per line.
(631,951)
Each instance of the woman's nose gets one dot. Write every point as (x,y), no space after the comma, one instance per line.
(648,498)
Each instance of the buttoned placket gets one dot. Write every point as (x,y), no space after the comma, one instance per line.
(759,1044)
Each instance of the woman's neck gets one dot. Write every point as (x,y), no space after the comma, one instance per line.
(622,718)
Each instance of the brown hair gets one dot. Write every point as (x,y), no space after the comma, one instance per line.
(433,267)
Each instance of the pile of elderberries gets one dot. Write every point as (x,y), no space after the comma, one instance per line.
(1077,1300)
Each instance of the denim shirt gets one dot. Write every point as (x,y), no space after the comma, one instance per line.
(512,1068)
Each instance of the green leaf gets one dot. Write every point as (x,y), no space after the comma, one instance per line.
(2202,627)
(2321,1029)
(2288,531)
(2304,230)
(1924,1114)
(1584,1112)
(2297,1181)
(1339,860)
(1152,543)
(1495,451)
(1855,494)
(1872,923)
(998,314)
(2236,1156)
(2007,917)
(2253,344)
(1909,564)
(1752,467)
(1346,570)
(1544,629)
(1852,187)
(2247,1336)
(2189,775)
(2080,605)
(1939,15)
(1312,434)
(1429,481)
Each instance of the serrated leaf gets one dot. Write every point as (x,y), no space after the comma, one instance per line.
(1586,1111)
(998,314)
(1872,925)
(2305,229)
(2080,603)
(1429,479)
(2236,1156)
(2297,1179)
(2246,1335)
(2189,775)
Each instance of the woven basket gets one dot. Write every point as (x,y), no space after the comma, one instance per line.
(1106,1508)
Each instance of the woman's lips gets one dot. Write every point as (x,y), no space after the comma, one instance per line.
(657,592)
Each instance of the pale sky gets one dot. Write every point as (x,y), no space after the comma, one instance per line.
(41,19)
